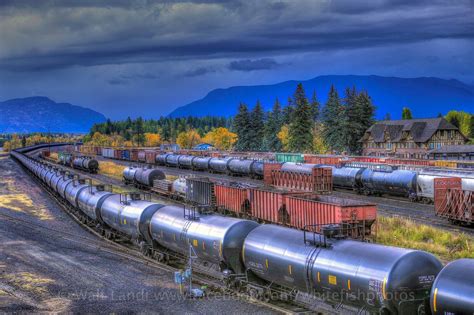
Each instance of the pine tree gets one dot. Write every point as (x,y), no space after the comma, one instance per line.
(288,112)
(334,121)
(272,128)
(241,127)
(315,106)
(366,119)
(138,130)
(406,113)
(256,132)
(352,123)
(387,116)
(300,132)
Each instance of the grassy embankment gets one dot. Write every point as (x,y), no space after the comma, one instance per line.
(405,233)
(111,169)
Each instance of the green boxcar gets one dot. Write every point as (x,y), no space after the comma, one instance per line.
(289,157)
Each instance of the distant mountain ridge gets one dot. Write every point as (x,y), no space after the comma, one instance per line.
(40,114)
(425,96)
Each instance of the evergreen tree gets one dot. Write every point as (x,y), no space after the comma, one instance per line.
(300,132)
(315,106)
(366,110)
(288,112)
(138,130)
(272,128)
(454,121)
(387,116)
(23,141)
(334,121)
(406,113)
(241,128)
(256,131)
(352,123)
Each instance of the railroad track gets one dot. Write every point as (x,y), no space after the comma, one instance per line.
(389,206)
(128,251)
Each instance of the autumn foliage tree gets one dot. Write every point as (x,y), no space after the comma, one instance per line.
(188,139)
(152,139)
(221,138)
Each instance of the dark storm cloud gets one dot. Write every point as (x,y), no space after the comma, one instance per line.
(199,71)
(251,65)
(45,35)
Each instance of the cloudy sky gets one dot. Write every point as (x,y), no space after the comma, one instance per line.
(139,57)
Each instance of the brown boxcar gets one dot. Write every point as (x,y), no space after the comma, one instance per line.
(267,205)
(134,155)
(306,210)
(452,202)
(141,156)
(232,198)
(150,157)
(320,181)
(118,154)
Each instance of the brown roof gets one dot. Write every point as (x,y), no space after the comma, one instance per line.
(421,130)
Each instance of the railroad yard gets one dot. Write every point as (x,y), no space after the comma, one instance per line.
(43,284)
(74,270)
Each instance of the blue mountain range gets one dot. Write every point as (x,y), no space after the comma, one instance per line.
(40,114)
(425,96)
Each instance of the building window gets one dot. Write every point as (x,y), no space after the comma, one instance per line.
(431,146)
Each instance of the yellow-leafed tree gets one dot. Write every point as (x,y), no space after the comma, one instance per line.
(284,138)
(152,139)
(221,138)
(188,139)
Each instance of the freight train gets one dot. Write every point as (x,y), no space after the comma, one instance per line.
(267,259)
(417,184)
(230,166)
(84,163)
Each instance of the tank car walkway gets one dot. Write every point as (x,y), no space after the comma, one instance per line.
(49,263)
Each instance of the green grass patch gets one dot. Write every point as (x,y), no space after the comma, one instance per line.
(406,233)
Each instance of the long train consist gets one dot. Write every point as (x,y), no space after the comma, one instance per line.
(268,259)
(416,184)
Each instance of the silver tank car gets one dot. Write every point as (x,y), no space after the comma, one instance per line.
(215,238)
(218,165)
(453,289)
(55,180)
(240,167)
(298,167)
(257,168)
(89,164)
(130,217)
(172,160)
(201,163)
(72,191)
(160,159)
(375,276)
(146,176)
(186,161)
(398,182)
(129,174)
(346,177)
(179,187)
(52,176)
(62,184)
(90,200)
(48,171)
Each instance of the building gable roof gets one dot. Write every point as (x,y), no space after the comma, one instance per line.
(421,130)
